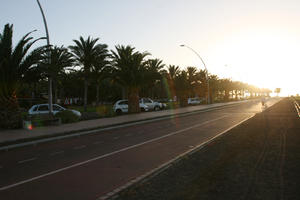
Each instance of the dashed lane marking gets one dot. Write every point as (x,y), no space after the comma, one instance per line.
(107,155)
(27,160)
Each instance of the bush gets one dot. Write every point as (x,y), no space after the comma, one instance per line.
(89,115)
(10,119)
(67,116)
(105,111)
(41,120)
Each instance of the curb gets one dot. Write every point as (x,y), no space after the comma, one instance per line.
(5,146)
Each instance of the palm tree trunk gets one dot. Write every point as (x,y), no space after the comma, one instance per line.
(55,90)
(97,94)
(133,100)
(85,95)
(226,95)
(123,92)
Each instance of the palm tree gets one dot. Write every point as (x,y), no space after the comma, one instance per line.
(192,79)
(60,59)
(153,74)
(13,64)
(86,54)
(226,87)
(32,77)
(213,86)
(277,91)
(173,71)
(101,68)
(129,71)
(201,77)
(182,87)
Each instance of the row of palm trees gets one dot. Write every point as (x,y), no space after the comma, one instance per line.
(91,63)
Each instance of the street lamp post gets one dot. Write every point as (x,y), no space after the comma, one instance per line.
(48,44)
(208,96)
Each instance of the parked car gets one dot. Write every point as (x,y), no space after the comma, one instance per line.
(194,101)
(121,106)
(153,105)
(44,109)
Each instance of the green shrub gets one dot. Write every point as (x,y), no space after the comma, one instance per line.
(67,116)
(41,120)
(89,115)
(10,119)
(105,111)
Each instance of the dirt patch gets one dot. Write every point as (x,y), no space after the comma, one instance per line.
(259,159)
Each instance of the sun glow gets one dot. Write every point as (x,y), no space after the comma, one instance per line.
(261,58)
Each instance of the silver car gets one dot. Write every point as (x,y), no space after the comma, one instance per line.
(121,106)
(44,109)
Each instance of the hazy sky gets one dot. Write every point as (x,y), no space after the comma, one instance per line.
(255,41)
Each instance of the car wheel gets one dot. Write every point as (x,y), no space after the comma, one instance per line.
(119,112)
(143,110)
(156,108)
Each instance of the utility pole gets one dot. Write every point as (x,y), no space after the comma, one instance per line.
(208,96)
(49,54)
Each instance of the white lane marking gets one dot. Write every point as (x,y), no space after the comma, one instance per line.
(167,164)
(107,155)
(56,153)
(27,160)
(97,142)
(79,147)
(297,107)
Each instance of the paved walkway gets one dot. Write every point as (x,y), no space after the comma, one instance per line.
(12,136)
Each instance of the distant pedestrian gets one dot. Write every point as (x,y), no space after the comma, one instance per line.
(263,101)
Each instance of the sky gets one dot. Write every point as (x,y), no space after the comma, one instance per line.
(254,41)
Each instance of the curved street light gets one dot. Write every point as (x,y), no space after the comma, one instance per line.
(208,96)
(48,44)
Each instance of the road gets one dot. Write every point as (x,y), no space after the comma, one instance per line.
(90,166)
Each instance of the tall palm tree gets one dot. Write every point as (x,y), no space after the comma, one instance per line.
(129,70)
(173,71)
(192,79)
(86,54)
(153,74)
(101,68)
(60,60)
(182,87)
(13,63)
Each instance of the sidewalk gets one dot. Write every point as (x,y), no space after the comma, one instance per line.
(8,137)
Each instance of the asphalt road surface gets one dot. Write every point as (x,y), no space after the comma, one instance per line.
(91,166)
